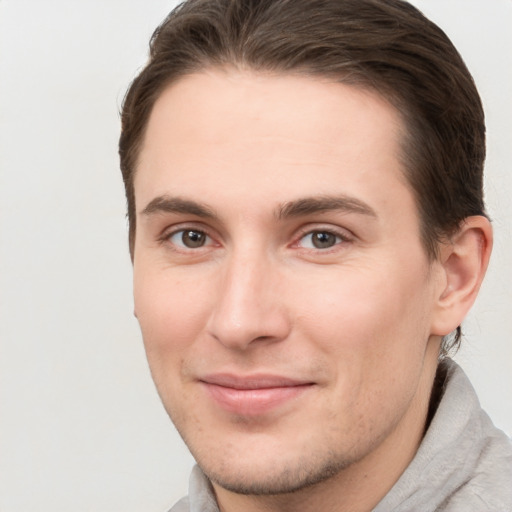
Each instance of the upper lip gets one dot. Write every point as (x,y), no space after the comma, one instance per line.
(260,381)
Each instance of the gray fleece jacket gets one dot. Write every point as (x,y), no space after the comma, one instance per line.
(464,463)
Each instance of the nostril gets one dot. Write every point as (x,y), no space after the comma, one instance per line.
(263,338)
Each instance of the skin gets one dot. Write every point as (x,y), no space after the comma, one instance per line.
(259,169)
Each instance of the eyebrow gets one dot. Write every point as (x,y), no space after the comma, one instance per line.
(296,208)
(168,204)
(311,205)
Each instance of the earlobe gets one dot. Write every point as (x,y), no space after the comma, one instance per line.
(463,263)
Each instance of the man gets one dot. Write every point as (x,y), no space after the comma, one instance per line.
(307,228)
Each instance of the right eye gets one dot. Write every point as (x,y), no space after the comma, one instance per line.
(320,240)
(189,239)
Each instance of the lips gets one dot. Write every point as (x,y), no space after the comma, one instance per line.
(252,395)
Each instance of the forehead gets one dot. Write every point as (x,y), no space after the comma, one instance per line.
(226,131)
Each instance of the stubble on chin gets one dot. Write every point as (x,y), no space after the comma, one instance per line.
(292,478)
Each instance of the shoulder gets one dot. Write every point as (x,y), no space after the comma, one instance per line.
(463,463)
(201,497)
(488,486)
(181,506)
(474,456)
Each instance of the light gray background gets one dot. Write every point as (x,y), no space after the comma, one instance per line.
(81,427)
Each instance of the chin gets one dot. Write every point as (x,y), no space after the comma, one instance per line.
(266,478)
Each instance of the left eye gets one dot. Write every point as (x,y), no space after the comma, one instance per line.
(320,240)
(189,238)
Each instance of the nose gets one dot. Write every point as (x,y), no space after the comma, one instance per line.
(250,306)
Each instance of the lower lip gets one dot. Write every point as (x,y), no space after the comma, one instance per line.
(253,402)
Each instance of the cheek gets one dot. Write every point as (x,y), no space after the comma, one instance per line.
(171,313)
(373,332)
(368,319)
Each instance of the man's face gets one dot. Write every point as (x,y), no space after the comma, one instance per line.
(283,293)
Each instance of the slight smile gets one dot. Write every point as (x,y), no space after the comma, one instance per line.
(252,395)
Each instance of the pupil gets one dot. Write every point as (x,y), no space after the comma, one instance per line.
(321,240)
(193,238)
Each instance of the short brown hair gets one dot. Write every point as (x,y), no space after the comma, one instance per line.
(386,46)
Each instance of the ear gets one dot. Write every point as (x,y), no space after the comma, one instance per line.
(463,262)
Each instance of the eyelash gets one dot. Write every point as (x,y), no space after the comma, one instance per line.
(167,236)
(341,238)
